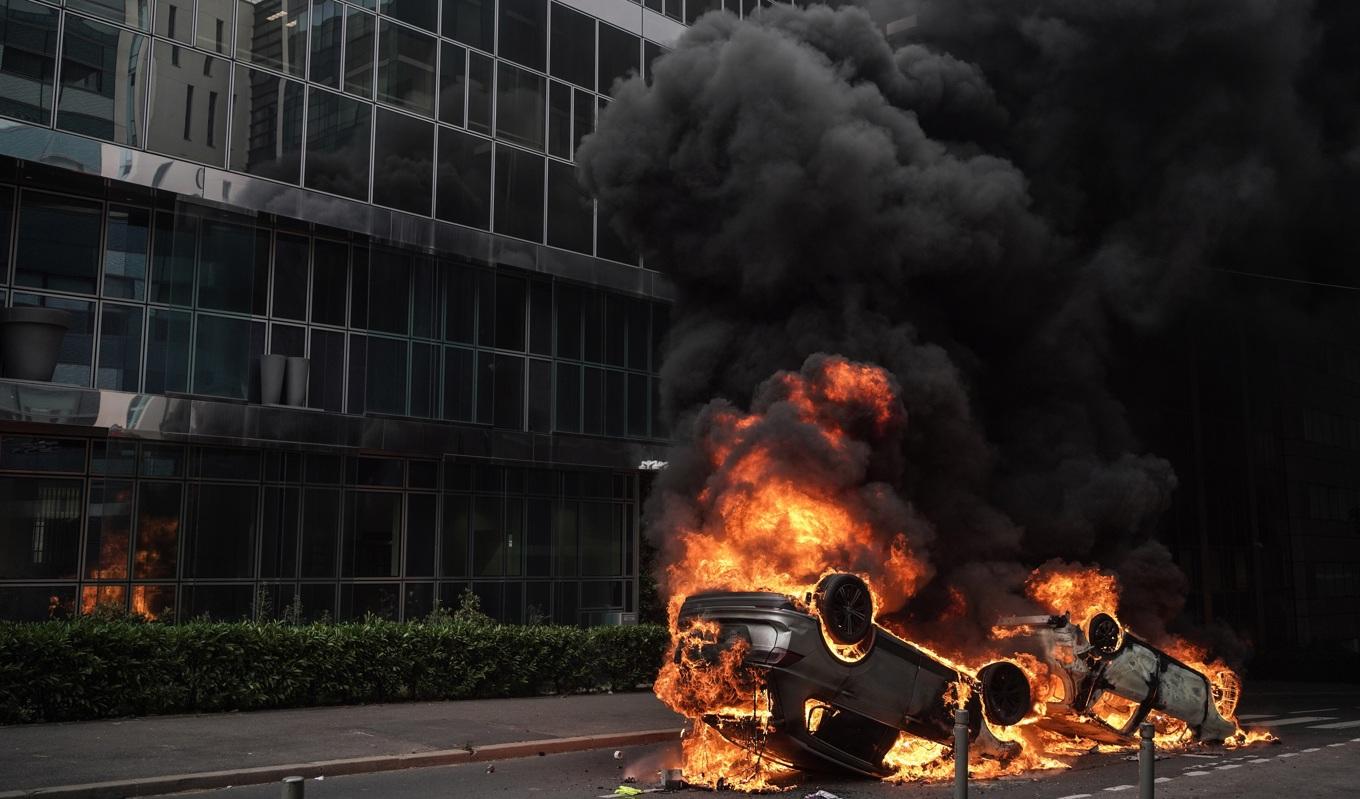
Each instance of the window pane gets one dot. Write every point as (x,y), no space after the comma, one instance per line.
(660,428)
(452,83)
(269,143)
(132,13)
(639,339)
(320,528)
(403,168)
(158,524)
(30,453)
(697,8)
(406,68)
(224,360)
(614,408)
(103,81)
(523,31)
(419,601)
(568,304)
(188,117)
(615,328)
(39,527)
(128,237)
(114,457)
(28,39)
(458,384)
(488,544)
(58,243)
(460,303)
(593,403)
(570,211)
(327,34)
(424,380)
(609,245)
(583,118)
(568,398)
(75,357)
(290,277)
(592,316)
(559,119)
(372,534)
(601,540)
(425,306)
(638,394)
(651,51)
(330,282)
(573,46)
(288,340)
(519,193)
(233,268)
(167,352)
(389,291)
(120,348)
(509,392)
(218,602)
(175,20)
(279,532)
(540,396)
(359,45)
(618,56)
(540,317)
(464,190)
(453,543)
(108,535)
(565,545)
(519,110)
(486,387)
(386,382)
(471,22)
(172,277)
(272,33)
(338,137)
(222,542)
(327,371)
(510,312)
(420,532)
(421,13)
(214,26)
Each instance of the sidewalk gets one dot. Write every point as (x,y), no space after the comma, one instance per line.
(42,755)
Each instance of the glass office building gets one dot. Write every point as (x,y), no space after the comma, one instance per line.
(384,187)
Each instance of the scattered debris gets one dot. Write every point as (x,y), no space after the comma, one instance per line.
(673,779)
(618,754)
(820,794)
(491,769)
(624,790)
(629,779)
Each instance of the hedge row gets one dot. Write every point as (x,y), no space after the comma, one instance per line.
(90,668)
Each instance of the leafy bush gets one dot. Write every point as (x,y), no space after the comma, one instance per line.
(100,667)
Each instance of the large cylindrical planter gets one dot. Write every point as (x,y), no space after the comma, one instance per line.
(296,389)
(30,340)
(271,378)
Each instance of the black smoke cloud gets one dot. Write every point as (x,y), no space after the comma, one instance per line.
(984,210)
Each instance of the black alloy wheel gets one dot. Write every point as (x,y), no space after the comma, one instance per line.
(846,608)
(1005,693)
(1104,634)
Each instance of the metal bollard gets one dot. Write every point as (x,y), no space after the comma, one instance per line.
(293,787)
(1147,758)
(961,754)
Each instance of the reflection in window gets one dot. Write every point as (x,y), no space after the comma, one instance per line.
(573,46)
(403,167)
(327,372)
(327,34)
(479,93)
(214,26)
(618,56)
(583,118)
(183,122)
(103,82)
(120,348)
(519,193)
(390,291)
(338,135)
(58,243)
(110,597)
(108,533)
(523,32)
(233,268)
(154,601)
(225,351)
(172,277)
(463,192)
(320,529)
(290,276)
(421,13)
(420,531)
(218,602)
(569,209)
(509,312)
(272,33)
(386,384)
(359,45)
(167,351)
(559,119)
(459,384)
(540,396)
(519,108)
(472,22)
(330,280)
(279,532)
(568,396)
(509,388)
(125,252)
(222,540)
(175,20)
(452,83)
(406,68)
(28,41)
(75,357)
(269,144)
(372,534)
(158,524)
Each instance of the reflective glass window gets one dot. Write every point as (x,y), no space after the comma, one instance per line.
(639,339)
(592,324)
(523,32)
(559,119)
(214,26)
(510,312)
(573,46)
(128,235)
(539,391)
(660,425)
(6,217)
(225,463)
(290,340)
(565,528)
(222,538)
(218,602)
(159,508)
(172,275)
(420,535)
(519,193)
(486,388)
(114,457)
(103,81)
(112,597)
(453,543)
(419,601)
(267,140)
(328,33)
(327,371)
(361,600)
(386,376)
(330,281)
(224,356)
(424,380)
(655,5)
(593,401)
(425,307)
(58,244)
(615,328)
(42,454)
(167,351)
(488,541)
(374,472)
(360,41)
(509,388)
(619,52)
(406,68)
(403,162)
(568,304)
(390,291)
(570,210)
(463,191)
(601,539)
(472,22)
(608,243)
(175,20)
(568,397)
(290,276)
(519,107)
(582,118)
(120,348)
(479,91)
(39,527)
(697,8)
(459,384)
(614,403)
(421,13)
(338,136)
(452,84)
(162,460)
(233,268)
(272,33)
(28,41)
(75,356)
(188,116)
(460,303)
(358,295)
(132,13)
(540,317)
(320,531)
(372,543)
(154,601)
(318,601)
(279,532)
(639,392)
(651,51)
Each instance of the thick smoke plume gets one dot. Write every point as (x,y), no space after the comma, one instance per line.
(986,207)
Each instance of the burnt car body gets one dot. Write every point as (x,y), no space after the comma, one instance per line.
(840,688)
(1108,682)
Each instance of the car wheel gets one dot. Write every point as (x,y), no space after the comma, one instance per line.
(1105,634)
(846,608)
(1005,693)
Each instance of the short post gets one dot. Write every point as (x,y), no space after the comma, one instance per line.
(961,754)
(293,787)
(1147,757)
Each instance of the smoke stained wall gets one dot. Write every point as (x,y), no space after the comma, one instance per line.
(989,209)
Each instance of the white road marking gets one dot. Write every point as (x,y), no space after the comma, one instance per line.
(1259,760)
(1195,774)
(1250,716)
(1339,725)
(1227,766)
(1206,757)
(1343,743)
(1319,710)
(1162,779)
(1077,796)
(1295,720)
(1313,749)
(1288,754)
(1119,787)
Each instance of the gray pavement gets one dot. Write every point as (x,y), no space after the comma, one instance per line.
(39,755)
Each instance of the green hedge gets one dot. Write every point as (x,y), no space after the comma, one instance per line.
(91,668)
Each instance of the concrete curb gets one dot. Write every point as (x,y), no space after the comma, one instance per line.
(204,780)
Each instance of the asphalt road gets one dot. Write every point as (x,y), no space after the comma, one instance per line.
(1319,755)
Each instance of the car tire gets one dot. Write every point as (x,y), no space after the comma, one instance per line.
(1006,694)
(1104,634)
(846,608)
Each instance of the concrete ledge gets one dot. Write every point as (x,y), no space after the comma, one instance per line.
(204,780)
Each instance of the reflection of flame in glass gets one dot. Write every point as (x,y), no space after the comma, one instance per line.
(154,601)
(156,537)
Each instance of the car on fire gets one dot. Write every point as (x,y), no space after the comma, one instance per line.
(1105,681)
(838,688)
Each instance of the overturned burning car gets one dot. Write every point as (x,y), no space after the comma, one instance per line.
(830,687)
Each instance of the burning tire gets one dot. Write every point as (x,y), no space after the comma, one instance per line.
(1105,634)
(1006,696)
(846,608)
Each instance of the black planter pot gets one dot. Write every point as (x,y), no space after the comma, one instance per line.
(295,381)
(271,378)
(30,339)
